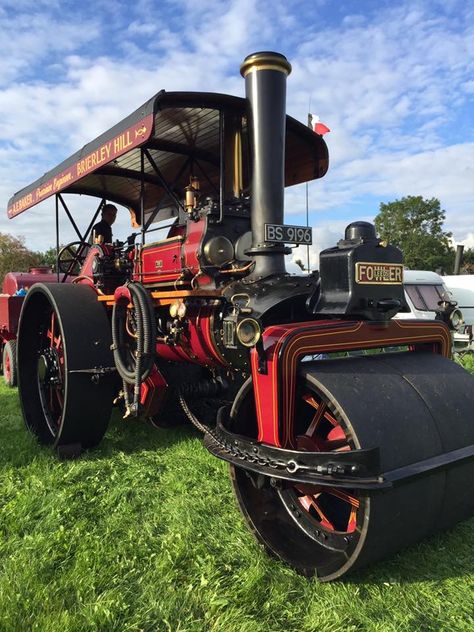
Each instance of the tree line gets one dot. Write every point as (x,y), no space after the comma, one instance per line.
(413,224)
(16,257)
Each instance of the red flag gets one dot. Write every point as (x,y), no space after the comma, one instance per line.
(316,125)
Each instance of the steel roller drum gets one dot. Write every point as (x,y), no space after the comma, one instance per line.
(413,406)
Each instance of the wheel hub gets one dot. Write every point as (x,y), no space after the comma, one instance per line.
(48,367)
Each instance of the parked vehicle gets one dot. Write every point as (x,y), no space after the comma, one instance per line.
(461,288)
(335,463)
(14,288)
(428,298)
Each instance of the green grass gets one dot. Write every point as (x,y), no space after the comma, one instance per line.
(143,534)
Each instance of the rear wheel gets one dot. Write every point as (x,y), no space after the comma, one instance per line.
(65,379)
(9,363)
(412,406)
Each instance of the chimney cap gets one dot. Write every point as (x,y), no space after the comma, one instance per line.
(265,60)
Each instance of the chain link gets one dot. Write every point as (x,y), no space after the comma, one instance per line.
(231,448)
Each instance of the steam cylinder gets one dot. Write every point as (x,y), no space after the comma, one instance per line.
(265,87)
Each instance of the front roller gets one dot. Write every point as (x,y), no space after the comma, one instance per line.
(65,366)
(414,407)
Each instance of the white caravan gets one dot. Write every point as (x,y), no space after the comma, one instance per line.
(428,298)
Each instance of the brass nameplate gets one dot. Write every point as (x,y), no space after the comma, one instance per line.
(379,273)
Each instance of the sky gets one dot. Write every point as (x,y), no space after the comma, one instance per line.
(393,80)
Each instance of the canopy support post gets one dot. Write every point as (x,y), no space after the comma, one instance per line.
(163,182)
(221,166)
(157,208)
(92,222)
(142,194)
(196,162)
(57,235)
(71,219)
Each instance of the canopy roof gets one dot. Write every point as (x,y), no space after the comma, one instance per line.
(180,132)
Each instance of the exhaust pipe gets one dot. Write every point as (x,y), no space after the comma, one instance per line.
(265,88)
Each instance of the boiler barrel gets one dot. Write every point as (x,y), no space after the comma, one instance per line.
(14,281)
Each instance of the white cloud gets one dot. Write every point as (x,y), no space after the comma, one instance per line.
(392,85)
(325,235)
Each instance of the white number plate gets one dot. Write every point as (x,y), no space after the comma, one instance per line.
(279,233)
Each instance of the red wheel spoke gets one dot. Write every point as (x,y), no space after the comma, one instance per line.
(50,332)
(339,493)
(328,445)
(336,433)
(321,410)
(308,489)
(317,417)
(306,501)
(59,396)
(333,509)
(352,524)
(309,502)
(345,448)
(309,399)
(336,441)
(331,419)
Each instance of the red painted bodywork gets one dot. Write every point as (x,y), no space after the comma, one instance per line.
(95,251)
(10,305)
(152,393)
(196,344)
(122,292)
(201,340)
(192,250)
(285,345)
(15,281)
(162,262)
(175,258)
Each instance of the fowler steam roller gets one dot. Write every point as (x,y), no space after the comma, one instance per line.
(335,462)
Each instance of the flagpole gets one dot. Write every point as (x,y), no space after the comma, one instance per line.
(307,200)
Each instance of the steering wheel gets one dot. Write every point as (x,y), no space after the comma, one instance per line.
(72,256)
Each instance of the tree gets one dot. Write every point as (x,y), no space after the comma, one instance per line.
(48,257)
(415,225)
(467,265)
(15,256)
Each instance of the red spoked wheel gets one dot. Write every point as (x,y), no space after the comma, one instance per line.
(317,529)
(51,376)
(332,509)
(325,513)
(65,366)
(9,363)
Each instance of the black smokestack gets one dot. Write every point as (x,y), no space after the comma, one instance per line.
(265,87)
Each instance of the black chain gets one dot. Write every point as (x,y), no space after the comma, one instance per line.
(232,448)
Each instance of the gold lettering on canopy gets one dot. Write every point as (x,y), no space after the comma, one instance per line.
(132,137)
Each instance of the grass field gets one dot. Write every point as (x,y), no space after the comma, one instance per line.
(143,534)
